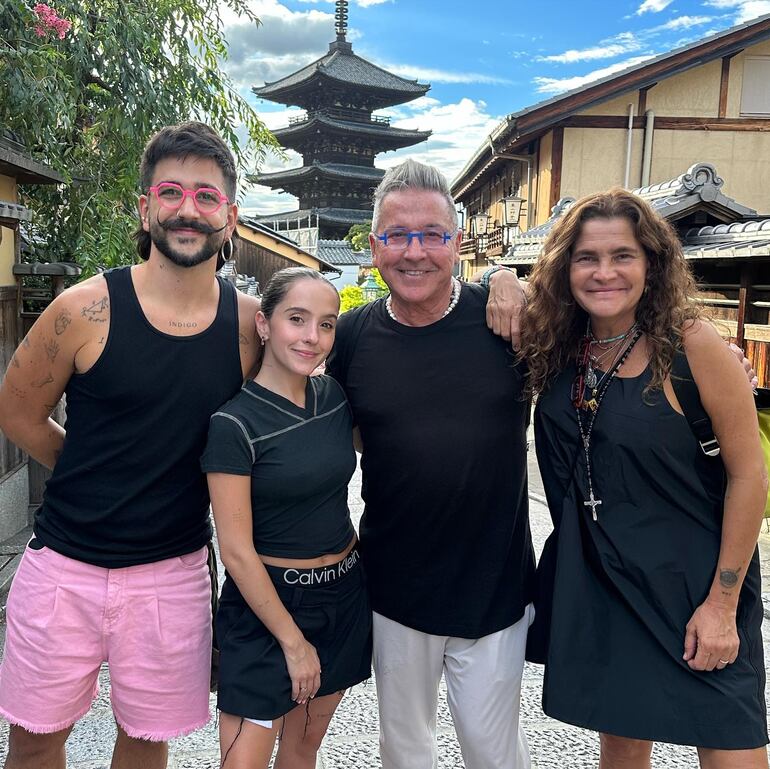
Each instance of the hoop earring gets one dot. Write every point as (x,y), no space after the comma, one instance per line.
(223,250)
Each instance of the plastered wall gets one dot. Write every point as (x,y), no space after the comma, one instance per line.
(7,193)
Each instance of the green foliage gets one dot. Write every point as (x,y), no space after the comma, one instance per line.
(358,236)
(86,103)
(380,282)
(350,297)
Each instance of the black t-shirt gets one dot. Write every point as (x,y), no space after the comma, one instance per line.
(445,533)
(300,461)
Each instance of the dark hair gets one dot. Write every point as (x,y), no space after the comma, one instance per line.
(278,286)
(190,139)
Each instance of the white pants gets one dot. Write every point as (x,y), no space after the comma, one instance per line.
(483,678)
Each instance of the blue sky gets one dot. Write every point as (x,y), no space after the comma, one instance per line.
(483,59)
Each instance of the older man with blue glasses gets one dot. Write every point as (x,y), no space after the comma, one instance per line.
(445,532)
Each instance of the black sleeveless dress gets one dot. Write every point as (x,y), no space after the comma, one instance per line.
(616,594)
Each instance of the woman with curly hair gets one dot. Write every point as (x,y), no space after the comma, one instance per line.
(649,611)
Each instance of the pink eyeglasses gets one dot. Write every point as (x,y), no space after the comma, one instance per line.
(171,195)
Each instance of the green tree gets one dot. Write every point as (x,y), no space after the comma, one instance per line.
(86,82)
(358,236)
(350,297)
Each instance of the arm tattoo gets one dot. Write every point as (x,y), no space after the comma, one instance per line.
(243,340)
(728,577)
(96,312)
(25,342)
(18,392)
(15,362)
(63,319)
(43,381)
(51,349)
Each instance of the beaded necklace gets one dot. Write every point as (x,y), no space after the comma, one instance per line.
(452,302)
(592,407)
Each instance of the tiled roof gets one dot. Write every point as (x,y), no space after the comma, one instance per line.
(699,187)
(340,252)
(332,170)
(255,224)
(728,241)
(383,132)
(700,184)
(15,162)
(342,65)
(14,212)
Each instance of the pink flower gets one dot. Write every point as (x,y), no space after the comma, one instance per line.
(49,22)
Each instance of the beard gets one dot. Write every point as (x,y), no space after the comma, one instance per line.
(210,247)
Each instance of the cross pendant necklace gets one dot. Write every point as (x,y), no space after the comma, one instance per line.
(594,503)
(592,407)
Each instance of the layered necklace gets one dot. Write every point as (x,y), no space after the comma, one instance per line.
(588,409)
(456,286)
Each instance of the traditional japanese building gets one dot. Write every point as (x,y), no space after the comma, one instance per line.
(338,137)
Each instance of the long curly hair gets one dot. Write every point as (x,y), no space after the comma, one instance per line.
(553,322)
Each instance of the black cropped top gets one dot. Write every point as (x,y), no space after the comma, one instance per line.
(300,461)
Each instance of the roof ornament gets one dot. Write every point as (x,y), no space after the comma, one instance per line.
(341,19)
(701,178)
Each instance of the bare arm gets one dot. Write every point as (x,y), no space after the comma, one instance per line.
(62,338)
(711,633)
(248,340)
(231,503)
(507,299)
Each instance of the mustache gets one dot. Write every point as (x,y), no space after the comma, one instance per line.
(189,224)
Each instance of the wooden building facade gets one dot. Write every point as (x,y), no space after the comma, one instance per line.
(706,101)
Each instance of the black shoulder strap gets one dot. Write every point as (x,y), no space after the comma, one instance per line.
(689,399)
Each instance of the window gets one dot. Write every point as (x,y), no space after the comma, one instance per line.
(755,95)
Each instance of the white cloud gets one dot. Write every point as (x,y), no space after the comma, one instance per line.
(745,10)
(558,85)
(428,75)
(655,6)
(684,22)
(625,42)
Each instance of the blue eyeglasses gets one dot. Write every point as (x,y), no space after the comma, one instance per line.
(400,240)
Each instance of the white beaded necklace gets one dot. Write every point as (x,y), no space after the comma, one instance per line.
(452,302)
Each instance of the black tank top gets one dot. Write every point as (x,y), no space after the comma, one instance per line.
(127,488)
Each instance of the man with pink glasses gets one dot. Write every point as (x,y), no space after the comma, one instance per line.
(116,571)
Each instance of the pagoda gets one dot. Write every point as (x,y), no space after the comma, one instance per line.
(337,136)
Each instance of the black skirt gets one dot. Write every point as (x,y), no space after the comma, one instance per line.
(333,614)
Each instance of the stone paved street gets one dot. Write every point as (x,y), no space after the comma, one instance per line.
(352,739)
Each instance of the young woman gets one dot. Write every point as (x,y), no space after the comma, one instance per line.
(649,586)
(294,624)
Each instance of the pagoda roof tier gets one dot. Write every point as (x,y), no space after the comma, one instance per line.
(338,171)
(380,133)
(343,69)
(329,215)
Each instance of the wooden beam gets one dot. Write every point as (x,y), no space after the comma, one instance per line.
(744,299)
(642,106)
(557,156)
(724,83)
(670,123)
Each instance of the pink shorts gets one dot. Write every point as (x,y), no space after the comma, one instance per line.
(150,623)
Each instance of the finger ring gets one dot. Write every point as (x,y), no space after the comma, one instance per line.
(303,688)
(725,662)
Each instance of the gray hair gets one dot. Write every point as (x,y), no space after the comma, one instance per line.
(413,175)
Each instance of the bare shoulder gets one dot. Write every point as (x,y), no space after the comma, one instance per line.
(704,345)
(248,306)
